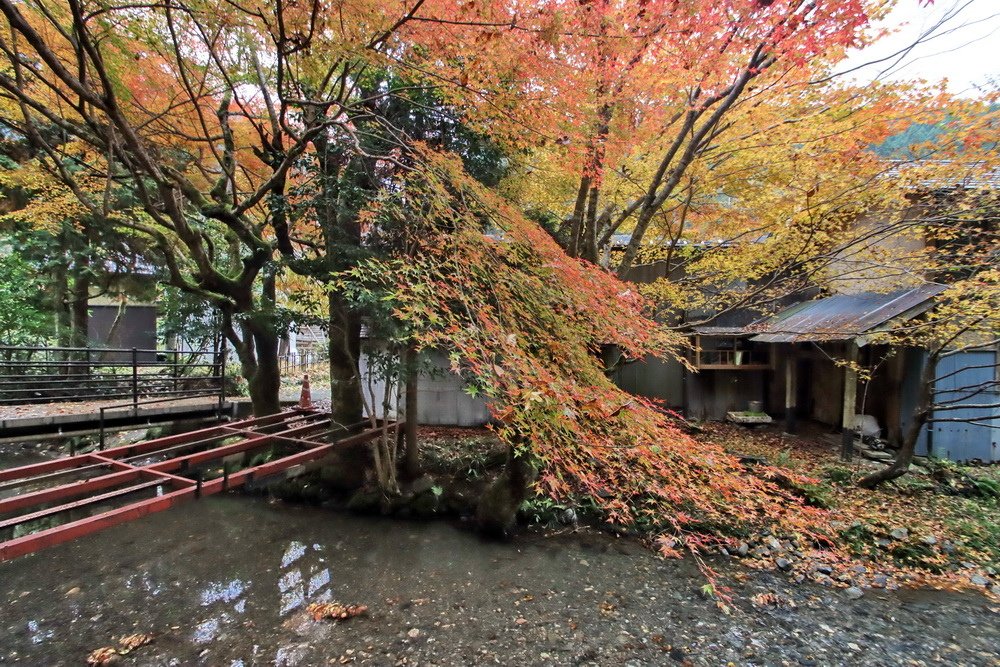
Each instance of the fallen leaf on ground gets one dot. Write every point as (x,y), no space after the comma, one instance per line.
(102,656)
(336,611)
(132,642)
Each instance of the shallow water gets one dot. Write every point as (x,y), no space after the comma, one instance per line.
(13,455)
(225,581)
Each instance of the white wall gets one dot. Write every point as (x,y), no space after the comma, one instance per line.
(441,400)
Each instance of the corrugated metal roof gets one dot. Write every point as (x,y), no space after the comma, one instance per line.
(721,331)
(843,316)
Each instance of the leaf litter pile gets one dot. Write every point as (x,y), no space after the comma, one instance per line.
(335,611)
(107,655)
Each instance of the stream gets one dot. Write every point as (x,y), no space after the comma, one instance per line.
(225,580)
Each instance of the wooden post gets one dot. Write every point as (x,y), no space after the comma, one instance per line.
(411,463)
(894,407)
(850,402)
(791,389)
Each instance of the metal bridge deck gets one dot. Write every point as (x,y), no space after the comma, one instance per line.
(44,504)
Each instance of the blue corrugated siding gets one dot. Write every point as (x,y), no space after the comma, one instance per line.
(964,441)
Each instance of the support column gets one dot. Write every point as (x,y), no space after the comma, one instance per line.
(850,402)
(893,402)
(791,387)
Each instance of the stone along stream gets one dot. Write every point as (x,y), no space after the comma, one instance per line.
(225,581)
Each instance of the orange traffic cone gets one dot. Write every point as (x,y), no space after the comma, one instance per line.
(305,398)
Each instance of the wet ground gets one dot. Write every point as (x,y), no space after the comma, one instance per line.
(225,580)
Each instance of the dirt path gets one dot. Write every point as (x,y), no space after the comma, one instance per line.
(225,582)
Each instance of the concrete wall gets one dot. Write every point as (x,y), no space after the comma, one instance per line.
(661,379)
(441,401)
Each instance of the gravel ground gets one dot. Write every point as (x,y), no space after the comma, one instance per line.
(225,581)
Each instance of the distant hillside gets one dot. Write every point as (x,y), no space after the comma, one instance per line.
(898,145)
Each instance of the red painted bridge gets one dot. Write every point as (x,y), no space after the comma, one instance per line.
(47,503)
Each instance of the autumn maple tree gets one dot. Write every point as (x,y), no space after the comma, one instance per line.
(525,322)
(203,117)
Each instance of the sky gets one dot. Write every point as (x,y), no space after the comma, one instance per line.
(965,49)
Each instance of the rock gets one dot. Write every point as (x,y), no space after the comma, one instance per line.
(413,633)
(929,540)
(496,513)
(568,517)
(773,544)
(883,542)
(422,484)
(824,569)
(880,581)
(364,500)
(426,504)
(979,580)
(743,549)
(783,564)
(853,593)
(73,591)
(899,533)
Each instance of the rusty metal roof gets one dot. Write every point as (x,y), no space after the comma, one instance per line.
(721,331)
(843,316)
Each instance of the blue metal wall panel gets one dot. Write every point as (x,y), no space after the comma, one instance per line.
(979,438)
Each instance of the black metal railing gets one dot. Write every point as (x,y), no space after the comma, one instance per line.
(291,364)
(48,374)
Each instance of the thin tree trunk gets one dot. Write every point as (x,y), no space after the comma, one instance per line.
(411,462)
(576,222)
(904,457)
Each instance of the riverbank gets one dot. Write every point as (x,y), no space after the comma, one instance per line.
(225,581)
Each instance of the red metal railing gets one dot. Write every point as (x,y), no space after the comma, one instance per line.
(172,468)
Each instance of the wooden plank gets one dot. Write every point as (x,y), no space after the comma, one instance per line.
(56,509)
(27,544)
(37,469)
(210,432)
(220,452)
(15,503)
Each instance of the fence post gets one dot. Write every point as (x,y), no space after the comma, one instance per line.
(135,381)
(176,361)
(100,445)
(222,378)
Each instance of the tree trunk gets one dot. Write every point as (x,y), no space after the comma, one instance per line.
(411,462)
(576,222)
(80,308)
(60,293)
(265,383)
(496,514)
(346,403)
(257,350)
(921,414)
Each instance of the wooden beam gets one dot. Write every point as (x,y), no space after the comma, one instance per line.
(791,387)
(850,405)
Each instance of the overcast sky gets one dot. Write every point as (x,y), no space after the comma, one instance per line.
(966,50)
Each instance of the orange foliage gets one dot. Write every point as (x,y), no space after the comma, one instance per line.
(527,323)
